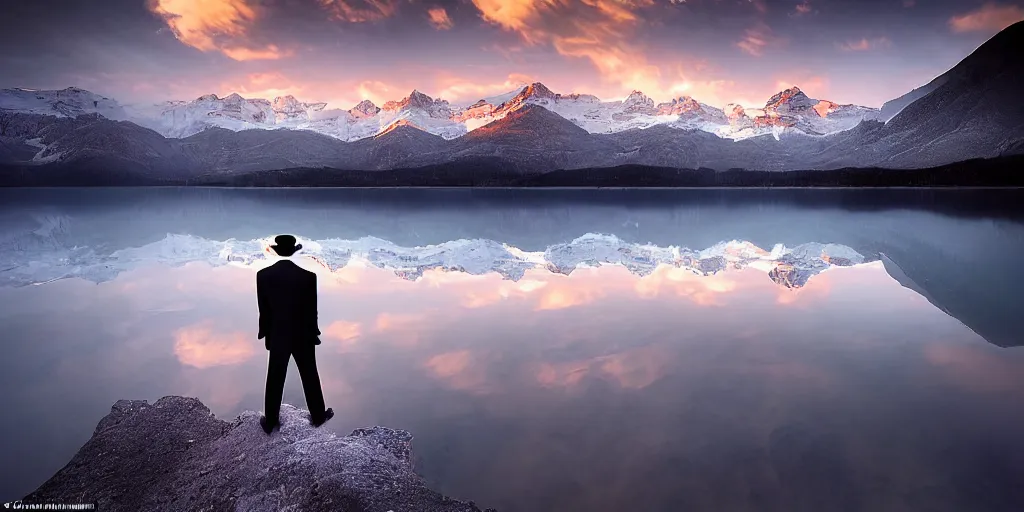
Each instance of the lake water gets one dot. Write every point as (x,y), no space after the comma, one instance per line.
(554,350)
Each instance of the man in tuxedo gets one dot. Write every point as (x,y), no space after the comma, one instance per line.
(286,294)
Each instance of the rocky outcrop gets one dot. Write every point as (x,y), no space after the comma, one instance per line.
(175,455)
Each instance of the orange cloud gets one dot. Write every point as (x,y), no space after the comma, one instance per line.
(990,17)
(597,30)
(804,8)
(215,25)
(756,39)
(865,44)
(200,347)
(367,10)
(439,18)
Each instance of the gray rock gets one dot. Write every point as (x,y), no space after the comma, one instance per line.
(175,455)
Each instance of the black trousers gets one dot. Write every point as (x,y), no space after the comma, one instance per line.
(277,369)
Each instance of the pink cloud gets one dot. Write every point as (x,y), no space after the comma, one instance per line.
(439,18)
(201,347)
(990,17)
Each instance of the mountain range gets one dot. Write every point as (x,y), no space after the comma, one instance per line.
(973,111)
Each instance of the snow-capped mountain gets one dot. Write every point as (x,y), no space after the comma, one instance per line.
(789,110)
(287,108)
(792,110)
(70,102)
(181,119)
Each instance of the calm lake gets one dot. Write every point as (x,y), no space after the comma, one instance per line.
(556,350)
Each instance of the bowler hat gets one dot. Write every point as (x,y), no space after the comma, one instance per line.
(285,245)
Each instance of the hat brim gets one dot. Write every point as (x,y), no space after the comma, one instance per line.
(292,248)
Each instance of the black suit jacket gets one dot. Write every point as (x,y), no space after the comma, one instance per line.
(287,301)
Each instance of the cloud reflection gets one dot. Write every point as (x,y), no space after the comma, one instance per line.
(200,346)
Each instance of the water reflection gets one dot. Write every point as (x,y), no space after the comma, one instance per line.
(555,350)
(730,388)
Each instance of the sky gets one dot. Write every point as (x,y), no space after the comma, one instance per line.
(342,51)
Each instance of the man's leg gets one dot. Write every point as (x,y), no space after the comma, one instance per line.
(277,369)
(305,360)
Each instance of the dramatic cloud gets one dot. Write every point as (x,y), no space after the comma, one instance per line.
(597,30)
(344,51)
(215,25)
(359,11)
(865,44)
(439,18)
(990,18)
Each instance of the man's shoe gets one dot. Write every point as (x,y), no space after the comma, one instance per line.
(267,426)
(328,414)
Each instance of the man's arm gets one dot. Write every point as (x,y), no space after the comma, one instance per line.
(314,290)
(263,305)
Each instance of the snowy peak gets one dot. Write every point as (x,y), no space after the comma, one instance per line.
(417,101)
(687,108)
(364,108)
(287,108)
(233,107)
(538,90)
(792,98)
(638,103)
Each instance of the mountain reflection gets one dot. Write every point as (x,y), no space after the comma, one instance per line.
(558,350)
(669,387)
(370,308)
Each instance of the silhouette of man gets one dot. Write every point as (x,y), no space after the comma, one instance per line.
(286,294)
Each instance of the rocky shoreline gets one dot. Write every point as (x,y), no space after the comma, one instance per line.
(176,455)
